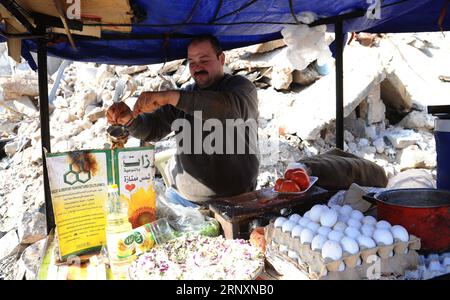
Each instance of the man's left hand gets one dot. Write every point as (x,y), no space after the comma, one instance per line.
(151,101)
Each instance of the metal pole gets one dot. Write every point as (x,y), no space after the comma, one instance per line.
(45,126)
(339,39)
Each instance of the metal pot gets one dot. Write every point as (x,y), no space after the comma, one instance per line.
(425,213)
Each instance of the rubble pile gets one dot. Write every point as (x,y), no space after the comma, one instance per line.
(387,84)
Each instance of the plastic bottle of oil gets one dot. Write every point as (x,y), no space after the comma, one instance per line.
(121,251)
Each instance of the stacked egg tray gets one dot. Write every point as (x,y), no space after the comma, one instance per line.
(393,260)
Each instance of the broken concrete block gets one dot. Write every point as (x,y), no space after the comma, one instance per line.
(22,105)
(31,258)
(402,138)
(131,70)
(94,114)
(348,136)
(376,109)
(32,228)
(8,243)
(104,72)
(412,157)
(20,85)
(11,148)
(281,78)
(416,119)
(379,145)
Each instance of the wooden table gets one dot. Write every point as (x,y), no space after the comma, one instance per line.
(236,213)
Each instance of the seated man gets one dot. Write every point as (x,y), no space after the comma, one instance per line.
(215,122)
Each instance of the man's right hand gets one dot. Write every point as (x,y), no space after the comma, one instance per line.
(119,114)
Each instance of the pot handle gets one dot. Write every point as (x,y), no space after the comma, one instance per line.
(370,197)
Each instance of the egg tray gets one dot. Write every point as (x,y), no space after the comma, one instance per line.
(316,267)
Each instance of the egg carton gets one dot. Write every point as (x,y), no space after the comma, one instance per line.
(394,259)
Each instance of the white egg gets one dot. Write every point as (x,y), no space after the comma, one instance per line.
(354,223)
(297,231)
(316,212)
(352,232)
(349,245)
(292,254)
(306,236)
(399,232)
(332,250)
(340,226)
(383,225)
(367,229)
(328,218)
(288,225)
(343,218)
(357,215)
(317,242)
(369,220)
(279,221)
(335,236)
(324,230)
(313,226)
(304,221)
(307,215)
(294,218)
(383,237)
(346,210)
(366,241)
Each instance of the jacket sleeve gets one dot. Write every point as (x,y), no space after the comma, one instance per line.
(239,99)
(152,127)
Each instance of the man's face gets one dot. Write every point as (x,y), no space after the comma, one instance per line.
(205,66)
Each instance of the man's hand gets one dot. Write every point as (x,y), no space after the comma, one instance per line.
(151,101)
(119,114)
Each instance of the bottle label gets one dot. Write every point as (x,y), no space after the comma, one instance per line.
(120,245)
(134,242)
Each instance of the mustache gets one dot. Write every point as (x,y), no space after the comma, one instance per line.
(200,72)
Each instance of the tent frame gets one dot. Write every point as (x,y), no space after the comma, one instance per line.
(40,32)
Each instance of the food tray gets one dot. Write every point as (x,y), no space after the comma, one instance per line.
(312,181)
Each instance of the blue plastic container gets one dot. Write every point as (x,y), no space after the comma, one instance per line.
(442,137)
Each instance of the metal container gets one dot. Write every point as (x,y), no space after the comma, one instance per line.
(425,213)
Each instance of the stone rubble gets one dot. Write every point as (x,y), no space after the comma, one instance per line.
(385,119)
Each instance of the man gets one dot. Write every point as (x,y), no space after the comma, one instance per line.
(214,119)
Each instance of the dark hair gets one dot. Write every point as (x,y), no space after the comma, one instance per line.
(211,39)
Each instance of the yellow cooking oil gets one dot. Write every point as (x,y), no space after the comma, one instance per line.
(121,248)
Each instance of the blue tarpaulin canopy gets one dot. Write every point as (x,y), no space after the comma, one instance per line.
(166,26)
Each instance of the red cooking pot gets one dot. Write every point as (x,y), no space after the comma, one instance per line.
(425,213)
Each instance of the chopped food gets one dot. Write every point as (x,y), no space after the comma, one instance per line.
(199,257)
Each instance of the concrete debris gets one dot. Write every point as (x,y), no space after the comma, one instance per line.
(8,243)
(387,86)
(19,85)
(32,228)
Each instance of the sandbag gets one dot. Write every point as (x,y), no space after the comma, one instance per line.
(337,170)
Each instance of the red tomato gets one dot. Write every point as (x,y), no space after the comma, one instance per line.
(289,172)
(301,179)
(288,186)
(278,183)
